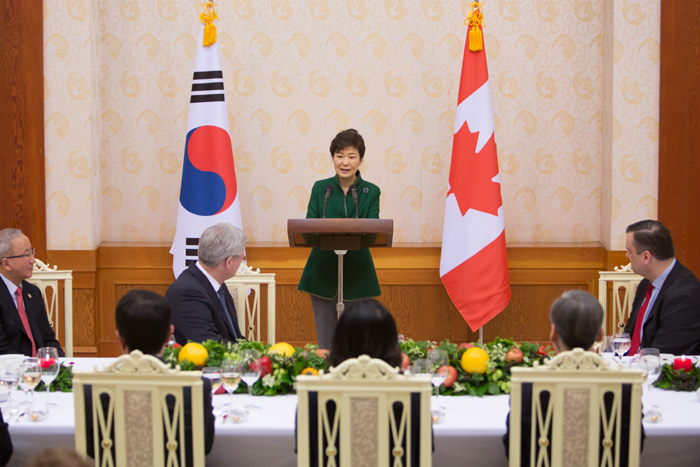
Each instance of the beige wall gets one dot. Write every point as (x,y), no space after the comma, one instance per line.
(575,96)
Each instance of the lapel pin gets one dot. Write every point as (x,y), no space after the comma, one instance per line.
(29,295)
(365,190)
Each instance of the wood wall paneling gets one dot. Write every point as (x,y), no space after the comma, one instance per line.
(679,127)
(414,294)
(22,188)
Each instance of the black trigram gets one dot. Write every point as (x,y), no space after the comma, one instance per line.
(207,86)
(191,250)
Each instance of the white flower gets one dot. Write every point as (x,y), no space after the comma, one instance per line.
(459,387)
(268,381)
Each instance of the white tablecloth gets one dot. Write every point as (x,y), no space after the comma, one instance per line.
(470,434)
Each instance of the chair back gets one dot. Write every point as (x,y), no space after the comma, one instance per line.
(247,279)
(139,412)
(48,280)
(624,286)
(364,412)
(576,411)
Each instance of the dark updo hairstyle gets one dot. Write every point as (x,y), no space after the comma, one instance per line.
(348,138)
(577,317)
(366,329)
(652,236)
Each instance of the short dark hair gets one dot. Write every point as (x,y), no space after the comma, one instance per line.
(653,236)
(143,320)
(348,138)
(366,329)
(577,317)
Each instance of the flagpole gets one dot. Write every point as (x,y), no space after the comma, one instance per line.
(481,335)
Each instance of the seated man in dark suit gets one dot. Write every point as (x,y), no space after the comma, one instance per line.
(143,323)
(576,322)
(202,305)
(24,325)
(666,309)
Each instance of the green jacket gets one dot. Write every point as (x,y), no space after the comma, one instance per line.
(320,276)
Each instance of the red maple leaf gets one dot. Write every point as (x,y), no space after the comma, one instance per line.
(471,173)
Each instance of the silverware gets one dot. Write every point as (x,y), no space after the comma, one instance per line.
(21,416)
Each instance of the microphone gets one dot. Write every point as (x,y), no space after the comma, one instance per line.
(353,192)
(326,195)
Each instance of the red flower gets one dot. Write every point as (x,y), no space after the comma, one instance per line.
(46,363)
(176,346)
(542,351)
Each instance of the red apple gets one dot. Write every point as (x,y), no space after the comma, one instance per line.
(451,375)
(322,352)
(405,361)
(514,355)
(465,346)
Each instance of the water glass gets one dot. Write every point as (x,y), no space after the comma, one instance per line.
(213,375)
(48,365)
(605,349)
(9,377)
(621,343)
(439,369)
(251,372)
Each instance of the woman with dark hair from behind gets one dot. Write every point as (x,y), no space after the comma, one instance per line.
(369,329)
(577,320)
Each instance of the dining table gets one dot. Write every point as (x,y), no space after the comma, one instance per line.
(469,433)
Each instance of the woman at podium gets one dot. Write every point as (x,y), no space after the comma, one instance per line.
(335,198)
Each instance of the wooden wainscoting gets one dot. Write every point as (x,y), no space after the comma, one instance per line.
(408,275)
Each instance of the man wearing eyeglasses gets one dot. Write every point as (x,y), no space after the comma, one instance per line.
(24,324)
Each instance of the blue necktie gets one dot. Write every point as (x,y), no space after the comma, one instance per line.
(222,299)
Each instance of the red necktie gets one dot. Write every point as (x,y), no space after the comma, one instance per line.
(636,337)
(23,317)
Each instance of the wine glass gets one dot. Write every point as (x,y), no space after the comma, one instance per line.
(251,372)
(9,377)
(231,369)
(213,374)
(621,343)
(605,349)
(649,361)
(30,375)
(423,366)
(48,365)
(439,370)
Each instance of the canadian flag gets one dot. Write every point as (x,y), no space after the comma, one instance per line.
(473,265)
(209,191)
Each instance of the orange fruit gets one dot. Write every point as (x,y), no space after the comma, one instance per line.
(309,371)
(283,349)
(475,360)
(195,353)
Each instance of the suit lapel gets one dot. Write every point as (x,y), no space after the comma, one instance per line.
(659,298)
(9,304)
(213,296)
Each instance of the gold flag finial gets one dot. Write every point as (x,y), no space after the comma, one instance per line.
(475,20)
(208,16)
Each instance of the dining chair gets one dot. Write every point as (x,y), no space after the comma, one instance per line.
(575,410)
(49,282)
(249,279)
(624,286)
(363,412)
(139,412)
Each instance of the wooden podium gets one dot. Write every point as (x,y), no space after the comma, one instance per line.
(341,236)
